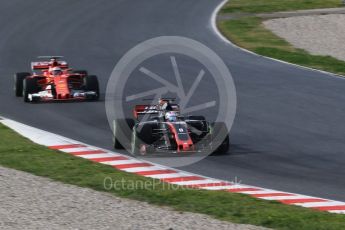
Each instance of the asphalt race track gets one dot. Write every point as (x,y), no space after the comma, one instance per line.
(289,132)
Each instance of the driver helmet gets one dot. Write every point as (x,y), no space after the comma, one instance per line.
(161,101)
(171,116)
(56,71)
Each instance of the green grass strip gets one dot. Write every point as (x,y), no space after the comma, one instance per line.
(251,34)
(21,154)
(268,6)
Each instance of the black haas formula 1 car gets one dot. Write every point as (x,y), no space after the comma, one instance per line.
(160,129)
(55,82)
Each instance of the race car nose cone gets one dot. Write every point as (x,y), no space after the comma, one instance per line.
(186,146)
(63,96)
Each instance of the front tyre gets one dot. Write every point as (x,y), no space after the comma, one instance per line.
(223,145)
(91,84)
(29,87)
(18,83)
(122,128)
(141,137)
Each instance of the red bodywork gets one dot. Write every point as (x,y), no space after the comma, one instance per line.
(184,144)
(178,129)
(62,83)
(44,65)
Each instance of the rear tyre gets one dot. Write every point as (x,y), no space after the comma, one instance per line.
(91,84)
(18,83)
(122,128)
(29,87)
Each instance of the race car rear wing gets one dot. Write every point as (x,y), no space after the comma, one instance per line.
(43,65)
(53,62)
(151,109)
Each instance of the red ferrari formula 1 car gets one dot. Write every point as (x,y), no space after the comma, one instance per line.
(160,128)
(55,81)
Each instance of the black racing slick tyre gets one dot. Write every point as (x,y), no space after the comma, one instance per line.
(223,146)
(122,128)
(18,83)
(91,84)
(135,143)
(144,132)
(141,135)
(29,87)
